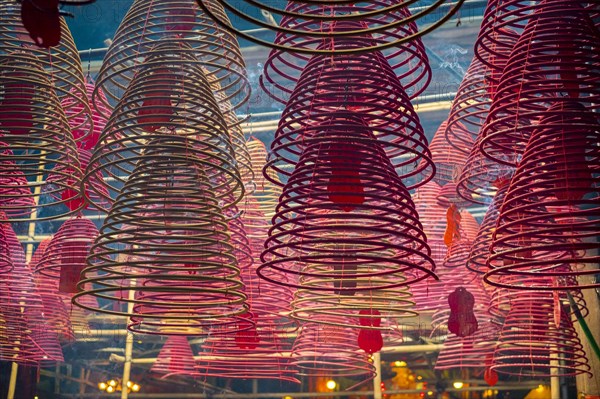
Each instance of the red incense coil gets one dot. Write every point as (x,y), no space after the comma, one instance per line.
(282,68)
(363,84)
(549,210)
(303,23)
(42,149)
(170,96)
(168,251)
(65,256)
(175,359)
(345,222)
(330,350)
(61,63)
(148,25)
(534,343)
(543,69)
(448,195)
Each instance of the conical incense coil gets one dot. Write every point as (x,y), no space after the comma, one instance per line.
(477,181)
(432,217)
(61,63)
(65,257)
(447,159)
(448,196)
(480,249)
(543,69)
(34,140)
(167,251)
(73,111)
(181,23)
(266,193)
(312,21)
(169,97)
(538,340)
(175,359)
(364,84)
(6,264)
(330,350)
(345,221)
(548,214)
(280,75)
(55,310)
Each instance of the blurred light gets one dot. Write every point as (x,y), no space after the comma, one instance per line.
(331,384)
(129,384)
(102,386)
(287,397)
(400,363)
(110,389)
(458,384)
(44,357)
(429,393)
(112,383)
(419,378)
(135,387)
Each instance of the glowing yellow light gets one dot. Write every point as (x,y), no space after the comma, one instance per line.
(400,363)
(419,378)
(135,387)
(112,383)
(110,389)
(429,393)
(540,388)
(129,384)
(458,384)
(102,386)
(331,384)
(287,397)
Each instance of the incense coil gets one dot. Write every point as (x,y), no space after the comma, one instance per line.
(148,25)
(94,189)
(73,111)
(448,196)
(330,350)
(458,251)
(534,342)
(479,179)
(469,109)
(543,69)
(282,68)
(65,256)
(549,210)
(363,85)
(334,212)
(480,249)
(432,217)
(170,96)
(175,359)
(168,253)
(447,159)
(61,63)
(6,264)
(35,143)
(310,21)
(55,310)
(266,192)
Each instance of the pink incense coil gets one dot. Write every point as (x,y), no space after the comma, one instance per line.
(409,61)
(479,176)
(75,115)
(313,21)
(543,69)
(330,351)
(549,210)
(363,84)
(35,143)
(468,352)
(61,63)
(346,226)
(36,342)
(148,25)
(175,359)
(458,252)
(536,341)
(447,159)
(169,97)
(65,256)
(432,217)
(170,249)
(6,264)
(15,345)
(480,249)
(267,191)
